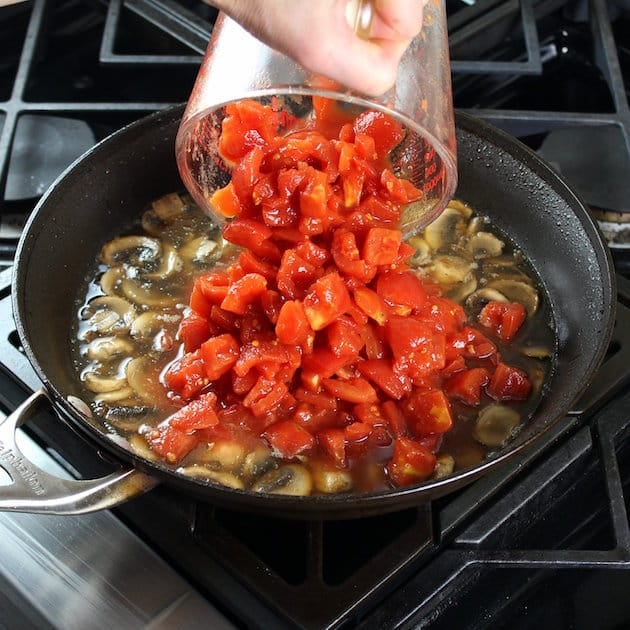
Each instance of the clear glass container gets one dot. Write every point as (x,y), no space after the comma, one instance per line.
(238,66)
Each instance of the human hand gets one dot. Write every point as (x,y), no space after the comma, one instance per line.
(320,36)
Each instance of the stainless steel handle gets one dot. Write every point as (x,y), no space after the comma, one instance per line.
(36,491)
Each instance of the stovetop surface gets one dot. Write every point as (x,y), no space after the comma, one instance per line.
(543,540)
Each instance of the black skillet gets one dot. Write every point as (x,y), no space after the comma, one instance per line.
(91,201)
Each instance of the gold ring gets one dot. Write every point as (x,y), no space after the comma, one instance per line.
(363,18)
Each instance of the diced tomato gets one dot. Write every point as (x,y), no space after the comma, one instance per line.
(247,233)
(295,275)
(330,115)
(292,325)
(414,345)
(354,390)
(265,396)
(246,125)
(504,319)
(382,374)
(371,304)
(471,344)
(345,253)
(509,383)
(219,354)
(187,375)
(321,363)
(197,414)
(288,439)
(395,418)
(171,443)
(411,462)
(319,400)
(467,385)
(428,412)
(386,131)
(327,299)
(225,201)
(403,291)
(266,356)
(243,293)
(193,331)
(333,442)
(271,303)
(446,316)
(208,290)
(357,432)
(250,263)
(398,189)
(344,337)
(381,246)
(317,338)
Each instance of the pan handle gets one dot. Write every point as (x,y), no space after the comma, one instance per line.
(39,492)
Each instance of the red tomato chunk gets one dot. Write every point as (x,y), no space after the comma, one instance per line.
(318,338)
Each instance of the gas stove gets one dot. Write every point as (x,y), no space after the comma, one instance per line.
(543,541)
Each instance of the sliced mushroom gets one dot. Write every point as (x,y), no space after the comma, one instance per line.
(446,229)
(150,323)
(496,424)
(536,352)
(475,225)
(423,251)
(258,462)
(168,207)
(485,245)
(221,455)
(290,479)
(200,250)
(116,396)
(517,291)
(463,289)
(461,207)
(478,299)
(449,268)
(444,466)
(153,297)
(140,446)
(101,384)
(135,250)
(142,378)
(110,280)
(109,314)
(330,480)
(108,348)
(170,263)
(226,479)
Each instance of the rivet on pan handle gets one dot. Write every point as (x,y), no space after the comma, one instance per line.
(37,491)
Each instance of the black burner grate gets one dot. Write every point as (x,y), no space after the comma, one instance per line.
(541,529)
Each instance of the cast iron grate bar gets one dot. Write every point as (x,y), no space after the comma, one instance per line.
(502,12)
(170,18)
